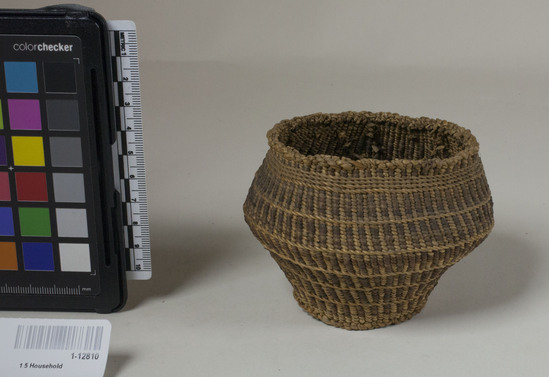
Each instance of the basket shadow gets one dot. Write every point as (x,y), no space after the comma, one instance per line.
(183,257)
(116,363)
(495,274)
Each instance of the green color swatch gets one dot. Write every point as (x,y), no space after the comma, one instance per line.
(35,222)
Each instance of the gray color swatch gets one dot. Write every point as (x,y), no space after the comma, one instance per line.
(72,222)
(63,115)
(66,152)
(69,188)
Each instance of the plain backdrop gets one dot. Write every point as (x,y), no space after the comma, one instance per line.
(216,75)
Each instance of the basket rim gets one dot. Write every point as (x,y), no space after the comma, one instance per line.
(471,146)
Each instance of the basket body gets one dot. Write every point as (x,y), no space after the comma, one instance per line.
(364,212)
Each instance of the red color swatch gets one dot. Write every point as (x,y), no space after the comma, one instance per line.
(31,187)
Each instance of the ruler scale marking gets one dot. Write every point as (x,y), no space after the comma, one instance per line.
(131,151)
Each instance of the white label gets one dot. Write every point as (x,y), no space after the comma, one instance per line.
(54,347)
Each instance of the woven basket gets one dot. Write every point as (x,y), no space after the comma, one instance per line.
(365,211)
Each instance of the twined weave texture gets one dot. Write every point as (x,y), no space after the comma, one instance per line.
(364,212)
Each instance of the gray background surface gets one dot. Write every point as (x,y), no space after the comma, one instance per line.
(216,75)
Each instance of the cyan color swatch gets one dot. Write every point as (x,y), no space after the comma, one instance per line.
(21,77)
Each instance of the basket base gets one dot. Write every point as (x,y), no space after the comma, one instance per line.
(353,322)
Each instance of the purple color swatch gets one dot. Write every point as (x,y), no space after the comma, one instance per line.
(3,155)
(24,114)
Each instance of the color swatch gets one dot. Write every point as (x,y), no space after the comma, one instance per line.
(3,154)
(5,194)
(1,117)
(63,115)
(69,188)
(46,207)
(59,77)
(21,77)
(28,150)
(8,256)
(24,114)
(66,152)
(31,187)
(35,222)
(74,257)
(38,256)
(6,221)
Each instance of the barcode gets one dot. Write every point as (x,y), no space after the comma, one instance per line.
(48,337)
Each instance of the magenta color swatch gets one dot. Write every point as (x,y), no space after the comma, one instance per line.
(24,114)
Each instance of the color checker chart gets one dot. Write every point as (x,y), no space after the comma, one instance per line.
(48,237)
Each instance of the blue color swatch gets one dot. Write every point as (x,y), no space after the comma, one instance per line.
(38,256)
(21,77)
(6,221)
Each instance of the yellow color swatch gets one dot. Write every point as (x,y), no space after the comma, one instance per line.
(28,150)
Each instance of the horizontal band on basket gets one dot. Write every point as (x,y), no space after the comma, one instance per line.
(380,257)
(351,184)
(486,202)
